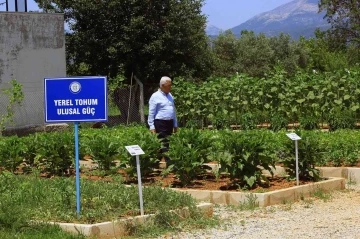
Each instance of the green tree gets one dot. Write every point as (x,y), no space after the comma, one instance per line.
(255,54)
(149,38)
(288,53)
(344,17)
(226,54)
(326,54)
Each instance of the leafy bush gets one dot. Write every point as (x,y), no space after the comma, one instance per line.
(149,143)
(244,153)
(309,122)
(189,149)
(341,119)
(55,152)
(278,122)
(103,145)
(32,145)
(341,147)
(248,121)
(11,153)
(309,151)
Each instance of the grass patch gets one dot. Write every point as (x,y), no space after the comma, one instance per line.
(321,194)
(40,231)
(251,203)
(351,181)
(27,198)
(287,204)
(166,222)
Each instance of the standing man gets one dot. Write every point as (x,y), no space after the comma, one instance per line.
(162,115)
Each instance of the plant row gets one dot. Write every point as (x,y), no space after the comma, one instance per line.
(307,98)
(239,153)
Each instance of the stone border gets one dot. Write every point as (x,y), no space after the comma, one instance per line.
(118,228)
(350,174)
(335,181)
(268,198)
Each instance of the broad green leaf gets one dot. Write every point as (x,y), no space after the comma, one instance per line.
(311,95)
(281,96)
(273,89)
(300,101)
(250,181)
(355,108)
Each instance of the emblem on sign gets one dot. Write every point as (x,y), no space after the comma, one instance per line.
(75,87)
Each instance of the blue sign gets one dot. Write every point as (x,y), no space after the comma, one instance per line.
(75,99)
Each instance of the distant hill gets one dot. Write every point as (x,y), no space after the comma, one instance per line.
(212,30)
(297,18)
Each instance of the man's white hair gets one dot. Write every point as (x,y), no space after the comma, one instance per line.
(164,79)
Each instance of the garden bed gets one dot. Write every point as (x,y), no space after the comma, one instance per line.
(210,182)
(264,199)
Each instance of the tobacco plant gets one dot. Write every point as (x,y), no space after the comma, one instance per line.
(149,143)
(32,144)
(102,145)
(189,150)
(11,153)
(310,150)
(342,148)
(55,153)
(243,154)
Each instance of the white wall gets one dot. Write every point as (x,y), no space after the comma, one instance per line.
(32,47)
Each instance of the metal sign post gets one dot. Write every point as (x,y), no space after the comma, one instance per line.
(80,99)
(135,150)
(295,137)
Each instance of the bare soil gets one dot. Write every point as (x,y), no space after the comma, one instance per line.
(203,182)
(223,183)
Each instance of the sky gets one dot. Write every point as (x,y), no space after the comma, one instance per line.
(226,14)
(223,14)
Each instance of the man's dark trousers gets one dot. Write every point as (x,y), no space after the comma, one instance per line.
(164,128)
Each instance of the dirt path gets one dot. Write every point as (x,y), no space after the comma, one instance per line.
(335,215)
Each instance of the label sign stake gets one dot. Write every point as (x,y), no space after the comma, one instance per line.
(75,99)
(295,137)
(135,150)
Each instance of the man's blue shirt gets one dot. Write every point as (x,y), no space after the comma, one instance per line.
(161,106)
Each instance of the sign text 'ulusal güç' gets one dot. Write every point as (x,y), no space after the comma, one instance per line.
(85,108)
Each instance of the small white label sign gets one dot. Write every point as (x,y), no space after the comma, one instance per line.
(134,150)
(293,136)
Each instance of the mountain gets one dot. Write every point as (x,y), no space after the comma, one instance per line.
(297,18)
(212,30)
